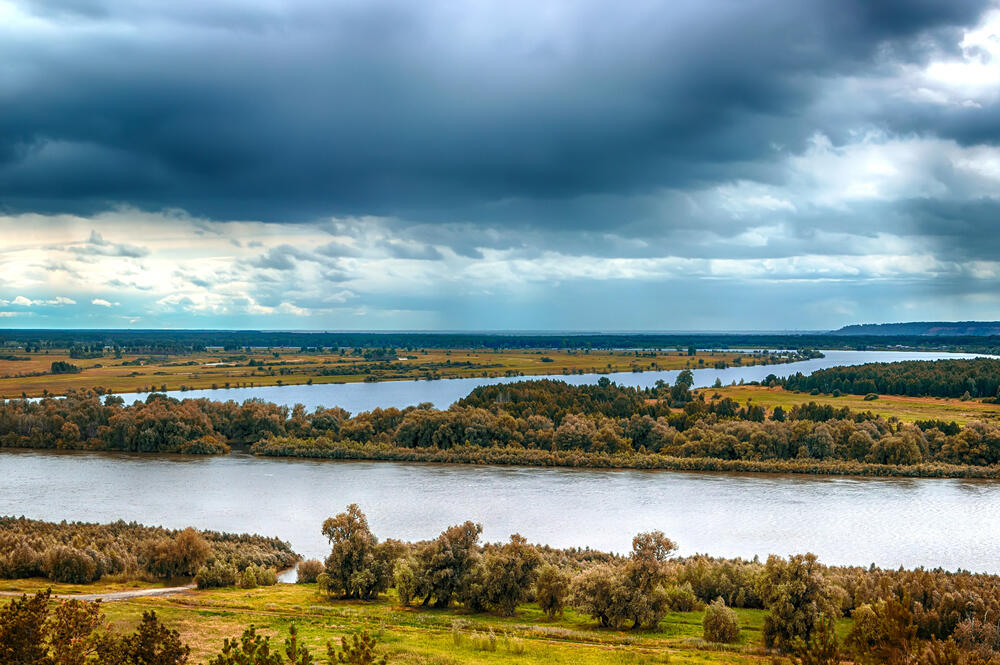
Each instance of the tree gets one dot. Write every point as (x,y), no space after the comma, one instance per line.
(152,643)
(22,630)
(644,576)
(446,564)
(508,573)
(358,565)
(883,632)
(822,649)
(796,594)
(720,623)
(551,590)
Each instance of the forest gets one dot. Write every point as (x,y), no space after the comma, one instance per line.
(973,378)
(812,613)
(530,417)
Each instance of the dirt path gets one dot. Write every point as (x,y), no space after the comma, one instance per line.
(112,596)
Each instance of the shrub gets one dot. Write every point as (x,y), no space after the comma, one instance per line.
(551,590)
(871,397)
(681,598)
(254,576)
(405,581)
(215,575)
(308,571)
(70,565)
(720,623)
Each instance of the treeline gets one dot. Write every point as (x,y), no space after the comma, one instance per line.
(895,611)
(183,341)
(977,377)
(83,421)
(703,429)
(530,418)
(79,553)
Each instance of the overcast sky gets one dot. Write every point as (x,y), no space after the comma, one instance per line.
(578,164)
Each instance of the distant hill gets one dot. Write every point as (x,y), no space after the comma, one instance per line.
(924,329)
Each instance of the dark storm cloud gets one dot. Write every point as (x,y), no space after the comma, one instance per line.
(501,114)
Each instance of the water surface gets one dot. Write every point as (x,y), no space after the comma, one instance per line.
(891,522)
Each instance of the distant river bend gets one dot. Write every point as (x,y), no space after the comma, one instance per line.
(357,397)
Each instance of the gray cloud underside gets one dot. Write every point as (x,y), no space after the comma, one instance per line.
(510,115)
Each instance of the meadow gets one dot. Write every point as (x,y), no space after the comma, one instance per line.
(29,374)
(902,407)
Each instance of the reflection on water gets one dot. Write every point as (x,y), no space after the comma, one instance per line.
(356,397)
(891,522)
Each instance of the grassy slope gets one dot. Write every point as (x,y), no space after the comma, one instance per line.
(174,372)
(907,409)
(412,635)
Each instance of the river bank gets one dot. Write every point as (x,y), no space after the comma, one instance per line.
(510,456)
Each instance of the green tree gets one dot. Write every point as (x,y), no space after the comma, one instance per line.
(447,564)
(22,630)
(720,623)
(796,594)
(551,590)
(358,565)
(508,573)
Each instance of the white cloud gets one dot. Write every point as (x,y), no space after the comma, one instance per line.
(100,302)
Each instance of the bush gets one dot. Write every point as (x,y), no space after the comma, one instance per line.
(871,397)
(308,571)
(681,598)
(70,565)
(254,576)
(720,623)
(405,581)
(215,575)
(551,590)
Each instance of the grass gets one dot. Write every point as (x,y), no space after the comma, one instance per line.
(207,370)
(907,409)
(430,636)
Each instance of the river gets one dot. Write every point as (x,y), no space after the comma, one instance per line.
(891,522)
(357,397)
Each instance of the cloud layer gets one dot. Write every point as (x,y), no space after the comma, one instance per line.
(498,165)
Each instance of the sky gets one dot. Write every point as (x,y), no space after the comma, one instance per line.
(498,165)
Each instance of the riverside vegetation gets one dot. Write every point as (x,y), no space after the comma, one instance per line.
(453,599)
(542,422)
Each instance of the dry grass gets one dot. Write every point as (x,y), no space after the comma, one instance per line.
(206,370)
(904,408)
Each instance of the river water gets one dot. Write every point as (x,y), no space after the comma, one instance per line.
(357,397)
(891,522)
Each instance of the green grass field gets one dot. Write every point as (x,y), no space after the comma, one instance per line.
(428,636)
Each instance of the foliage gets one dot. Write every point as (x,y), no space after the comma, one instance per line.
(796,594)
(33,632)
(551,590)
(358,566)
(359,650)
(79,552)
(980,377)
(720,623)
(308,571)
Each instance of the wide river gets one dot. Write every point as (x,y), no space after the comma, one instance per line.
(356,397)
(890,522)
